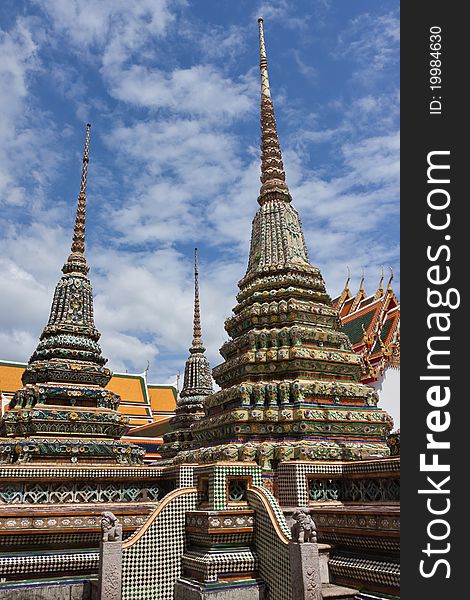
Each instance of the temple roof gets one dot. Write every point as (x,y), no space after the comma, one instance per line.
(372,323)
(144,404)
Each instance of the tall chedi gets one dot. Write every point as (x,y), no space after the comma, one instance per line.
(63,412)
(290,379)
(196,387)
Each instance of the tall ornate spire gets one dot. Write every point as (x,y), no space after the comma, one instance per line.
(197,345)
(277,239)
(273,177)
(289,380)
(196,387)
(64,410)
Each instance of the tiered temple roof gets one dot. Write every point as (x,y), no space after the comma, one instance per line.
(196,387)
(290,379)
(64,412)
(372,323)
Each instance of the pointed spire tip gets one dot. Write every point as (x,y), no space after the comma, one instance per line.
(273,178)
(78,240)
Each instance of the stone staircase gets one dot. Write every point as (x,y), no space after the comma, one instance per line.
(331,590)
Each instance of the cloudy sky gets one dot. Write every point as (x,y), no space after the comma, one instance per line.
(171,88)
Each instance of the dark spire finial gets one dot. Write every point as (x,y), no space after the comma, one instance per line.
(78,241)
(76,262)
(273,178)
(197,345)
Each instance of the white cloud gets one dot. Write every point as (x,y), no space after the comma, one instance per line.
(117,25)
(372,41)
(18,59)
(198,90)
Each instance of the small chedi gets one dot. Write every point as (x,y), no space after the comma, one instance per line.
(196,387)
(290,380)
(63,412)
(62,458)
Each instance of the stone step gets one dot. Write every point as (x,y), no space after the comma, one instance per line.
(330,590)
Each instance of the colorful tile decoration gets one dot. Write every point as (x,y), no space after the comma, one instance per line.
(290,380)
(64,413)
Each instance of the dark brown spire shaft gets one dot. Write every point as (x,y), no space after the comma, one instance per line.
(197,334)
(78,241)
(272,169)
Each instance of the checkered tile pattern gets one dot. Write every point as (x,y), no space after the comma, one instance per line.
(30,472)
(212,564)
(218,482)
(50,562)
(385,573)
(292,480)
(222,539)
(374,543)
(56,539)
(272,553)
(153,563)
(185,476)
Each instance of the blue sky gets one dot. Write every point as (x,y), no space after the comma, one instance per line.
(171,88)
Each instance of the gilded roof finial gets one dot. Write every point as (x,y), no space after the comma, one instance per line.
(346,285)
(389,285)
(361,285)
(380,290)
(272,169)
(345,294)
(197,345)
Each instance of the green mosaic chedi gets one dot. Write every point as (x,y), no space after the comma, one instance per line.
(290,379)
(64,412)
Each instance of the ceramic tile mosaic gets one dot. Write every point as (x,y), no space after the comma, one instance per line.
(213,564)
(220,539)
(386,573)
(272,552)
(66,472)
(50,562)
(292,476)
(53,539)
(153,563)
(366,542)
(218,481)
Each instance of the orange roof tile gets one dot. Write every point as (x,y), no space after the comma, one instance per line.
(162,398)
(141,403)
(10,376)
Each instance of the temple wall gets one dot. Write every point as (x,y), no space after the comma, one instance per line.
(151,559)
(271,544)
